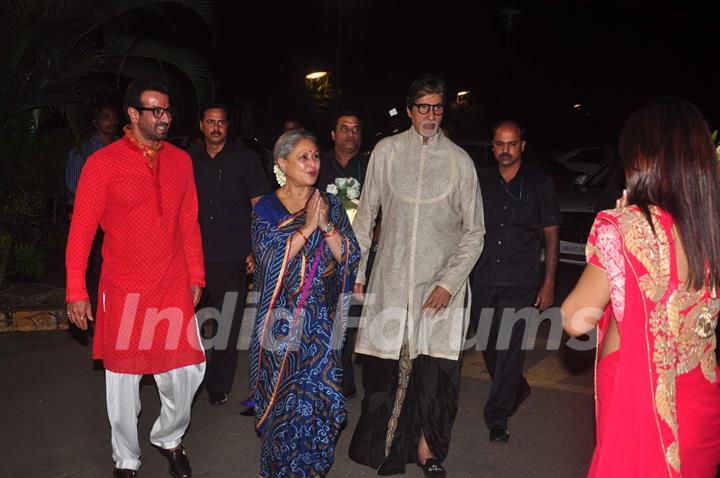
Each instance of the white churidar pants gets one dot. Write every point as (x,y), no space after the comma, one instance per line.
(177,388)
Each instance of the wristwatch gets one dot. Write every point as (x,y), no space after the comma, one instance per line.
(329,228)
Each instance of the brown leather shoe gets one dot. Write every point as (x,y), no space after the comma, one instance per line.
(124,473)
(179,462)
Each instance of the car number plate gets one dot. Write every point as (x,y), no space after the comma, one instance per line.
(572,248)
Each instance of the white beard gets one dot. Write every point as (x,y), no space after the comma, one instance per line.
(429,133)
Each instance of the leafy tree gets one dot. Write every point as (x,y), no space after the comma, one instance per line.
(56,58)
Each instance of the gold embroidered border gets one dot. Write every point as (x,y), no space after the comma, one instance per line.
(677,349)
(651,249)
(404,369)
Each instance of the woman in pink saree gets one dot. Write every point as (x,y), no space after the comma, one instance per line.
(650,287)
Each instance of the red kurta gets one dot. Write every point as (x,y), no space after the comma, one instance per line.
(152,253)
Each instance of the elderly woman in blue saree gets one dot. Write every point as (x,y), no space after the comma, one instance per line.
(306,256)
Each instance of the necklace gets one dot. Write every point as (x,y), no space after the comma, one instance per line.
(507,190)
(292,205)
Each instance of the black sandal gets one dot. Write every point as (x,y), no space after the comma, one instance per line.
(433,468)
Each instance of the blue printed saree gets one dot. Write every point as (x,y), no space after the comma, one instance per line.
(295,352)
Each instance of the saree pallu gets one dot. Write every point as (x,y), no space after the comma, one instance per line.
(657,396)
(295,353)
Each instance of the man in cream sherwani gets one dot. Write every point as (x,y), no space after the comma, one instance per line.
(416,311)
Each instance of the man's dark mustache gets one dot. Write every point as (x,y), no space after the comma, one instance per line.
(505,156)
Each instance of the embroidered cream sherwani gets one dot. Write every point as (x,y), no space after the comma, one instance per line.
(432,234)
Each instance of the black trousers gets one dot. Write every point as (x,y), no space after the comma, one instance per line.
(221,278)
(92,274)
(430,406)
(348,381)
(504,362)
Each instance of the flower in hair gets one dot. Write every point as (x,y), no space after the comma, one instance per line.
(279,175)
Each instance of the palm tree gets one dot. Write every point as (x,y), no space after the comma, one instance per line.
(56,56)
(54,53)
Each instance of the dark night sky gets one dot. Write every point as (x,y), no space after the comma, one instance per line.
(609,56)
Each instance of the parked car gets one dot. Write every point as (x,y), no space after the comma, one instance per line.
(579,205)
(563,177)
(480,151)
(586,160)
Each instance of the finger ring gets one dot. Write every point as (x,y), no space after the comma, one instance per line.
(68,313)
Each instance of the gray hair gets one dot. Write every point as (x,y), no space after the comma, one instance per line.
(425,84)
(289,140)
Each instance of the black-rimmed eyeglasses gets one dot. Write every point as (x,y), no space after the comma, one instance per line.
(157,111)
(424,108)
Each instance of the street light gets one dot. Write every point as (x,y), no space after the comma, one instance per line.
(321,85)
(316,75)
(461,96)
(509,16)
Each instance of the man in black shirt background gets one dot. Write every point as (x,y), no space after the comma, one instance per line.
(346,160)
(229,180)
(521,213)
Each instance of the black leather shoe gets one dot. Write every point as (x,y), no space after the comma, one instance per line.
(499,435)
(179,462)
(387,469)
(218,398)
(124,473)
(433,469)
(248,412)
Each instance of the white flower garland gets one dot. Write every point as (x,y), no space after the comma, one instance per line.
(279,175)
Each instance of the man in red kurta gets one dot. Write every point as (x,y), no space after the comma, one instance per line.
(141,192)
